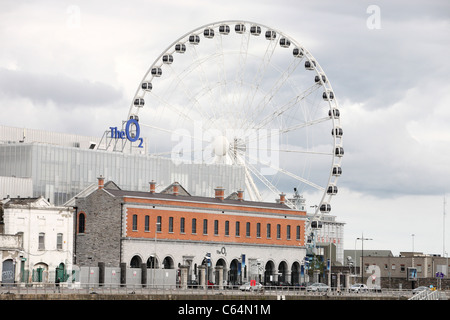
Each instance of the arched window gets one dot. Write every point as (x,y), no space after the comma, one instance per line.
(136,262)
(81,223)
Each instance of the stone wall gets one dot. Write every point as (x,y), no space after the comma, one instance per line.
(100,241)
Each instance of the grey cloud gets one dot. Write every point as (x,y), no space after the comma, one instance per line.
(58,88)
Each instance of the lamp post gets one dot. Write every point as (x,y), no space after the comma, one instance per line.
(154,258)
(362,255)
(412,235)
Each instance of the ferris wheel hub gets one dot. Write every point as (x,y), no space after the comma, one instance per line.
(221,146)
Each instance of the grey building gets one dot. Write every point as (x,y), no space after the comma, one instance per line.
(61,165)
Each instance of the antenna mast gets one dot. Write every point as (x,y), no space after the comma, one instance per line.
(443,230)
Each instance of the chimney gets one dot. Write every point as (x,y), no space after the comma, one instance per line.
(175,188)
(282,198)
(101,182)
(219,193)
(240,195)
(152,187)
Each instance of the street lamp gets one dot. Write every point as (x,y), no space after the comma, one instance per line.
(154,258)
(362,254)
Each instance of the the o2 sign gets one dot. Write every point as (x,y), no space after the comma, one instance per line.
(126,134)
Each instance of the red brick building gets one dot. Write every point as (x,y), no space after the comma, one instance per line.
(236,239)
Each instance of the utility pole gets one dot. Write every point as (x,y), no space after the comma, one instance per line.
(361,268)
(443,231)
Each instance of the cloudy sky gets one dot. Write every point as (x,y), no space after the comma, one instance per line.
(74,66)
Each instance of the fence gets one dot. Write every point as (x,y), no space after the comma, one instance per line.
(97,276)
(276,292)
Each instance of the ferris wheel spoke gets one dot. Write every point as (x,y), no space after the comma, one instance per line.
(239,76)
(188,93)
(289,105)
(267,183)
(280,82)
(205,83)
(271,133)
(171,106)
(270,49)
(311,152)
(290,174)
(176,132)
(251,186)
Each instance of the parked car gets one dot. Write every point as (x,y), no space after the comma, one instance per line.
(249,287)
(359,287)
(317,287)
(420,289)
(375,288)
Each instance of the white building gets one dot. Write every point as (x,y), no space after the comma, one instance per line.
(329,239)
(47,239)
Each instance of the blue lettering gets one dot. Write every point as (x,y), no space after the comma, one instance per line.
(116,134)
(127,130)
(113,132)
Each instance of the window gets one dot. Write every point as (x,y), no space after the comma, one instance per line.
(205,226)
(278,231)
(158,224)
(238,225)
(227,228)
(247,229)
(41,241)
(402,268)
(268,231)
(59,241)
(194,226)
(297,234)
(147,223)
(171,224)
(182,225)
(216,227)
(134,222)
(81,223)
(288,232)
(258,230)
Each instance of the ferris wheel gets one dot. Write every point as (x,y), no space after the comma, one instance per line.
(245,94)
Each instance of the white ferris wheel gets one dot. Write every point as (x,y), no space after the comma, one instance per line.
(245,94)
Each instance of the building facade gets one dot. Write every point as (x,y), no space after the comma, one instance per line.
(330,239)
(231,239)
(44,237)
(383,269)
(62,165)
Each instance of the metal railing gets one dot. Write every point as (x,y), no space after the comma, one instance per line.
(429,295)
(115,289)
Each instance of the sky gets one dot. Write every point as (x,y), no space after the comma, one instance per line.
(74,66)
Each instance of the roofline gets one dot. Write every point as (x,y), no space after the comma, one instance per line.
(203,200)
